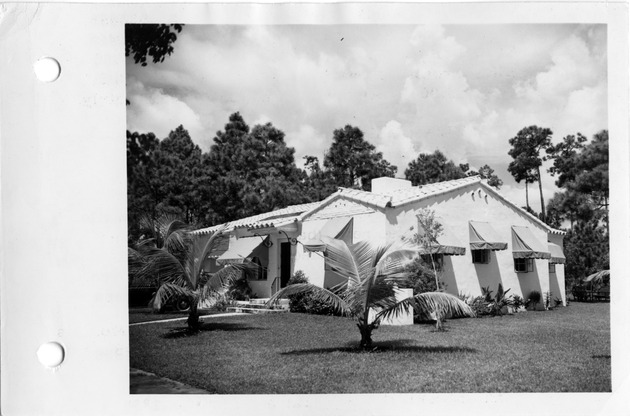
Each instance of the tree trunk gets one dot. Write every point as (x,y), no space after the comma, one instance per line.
(366,335)
(437,282)
(526,195)
(193,317)
(542,200)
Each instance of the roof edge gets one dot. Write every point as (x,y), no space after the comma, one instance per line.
(520,210)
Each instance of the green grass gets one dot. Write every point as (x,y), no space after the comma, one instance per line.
(567,349)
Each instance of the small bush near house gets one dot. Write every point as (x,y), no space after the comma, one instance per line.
(305,303)
(534,298)
(422,277)
(517,302)
(239,290)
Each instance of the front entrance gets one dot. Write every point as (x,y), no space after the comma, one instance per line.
(285,263)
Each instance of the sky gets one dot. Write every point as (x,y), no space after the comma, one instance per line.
(462,89)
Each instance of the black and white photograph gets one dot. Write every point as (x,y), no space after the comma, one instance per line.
(368,208)
(353,208)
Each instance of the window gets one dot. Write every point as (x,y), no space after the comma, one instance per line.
(552,267)
(481,256)
(523,265)
(438,260)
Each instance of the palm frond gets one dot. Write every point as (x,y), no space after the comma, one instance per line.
(199,253)
(443,305)
(165,266)
(318,294)
(222,278)
(394,257)
(166,291)
(340,257)
(135,262)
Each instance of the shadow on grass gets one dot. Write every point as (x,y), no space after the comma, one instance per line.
(183,331)
(387,346)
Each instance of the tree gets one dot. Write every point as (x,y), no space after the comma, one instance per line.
(587,250)
(433,167)
(526,148)
(150,40)
(179,171)
(177,266)
(250,172)
(429,229)
(353,162)
(319,184)
(142,193)
(373,274)
(582,171)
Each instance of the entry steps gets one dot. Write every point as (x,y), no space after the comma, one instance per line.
(259,306)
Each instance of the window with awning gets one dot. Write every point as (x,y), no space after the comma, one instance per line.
(557,255)
(242,249)
(484,237)
(525,245)
(340,228)
(446,243)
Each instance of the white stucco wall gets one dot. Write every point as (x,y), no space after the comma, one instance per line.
(367,225)
(461,275)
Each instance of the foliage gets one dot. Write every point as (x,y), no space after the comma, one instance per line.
(587,250)
(353,162)
(249,172)
(421,277)
(178,267)
(431,168)
(435,167)
(500,300)
(429,229)
(239,289)
(582,172)
(150,40)
(373,274)
(526,148)
(534,297)
(518,302)
(306,302)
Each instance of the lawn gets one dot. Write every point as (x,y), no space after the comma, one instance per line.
(564,350)
(137,315)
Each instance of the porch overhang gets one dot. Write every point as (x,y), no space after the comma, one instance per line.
(258,229)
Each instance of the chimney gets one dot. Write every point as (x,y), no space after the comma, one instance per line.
(385,185)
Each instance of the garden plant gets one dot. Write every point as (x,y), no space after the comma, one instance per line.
(373,274)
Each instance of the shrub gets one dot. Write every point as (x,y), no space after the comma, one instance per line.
(421,277)
(304,302)
(534,298)
(517,302)
(239,290)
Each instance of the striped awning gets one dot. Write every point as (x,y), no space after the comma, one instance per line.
(525,245)
(340,228)
(557,255)
(484,237)
(447,244)
(240,250)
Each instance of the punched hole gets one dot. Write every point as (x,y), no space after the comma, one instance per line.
(47,69)
(51,354)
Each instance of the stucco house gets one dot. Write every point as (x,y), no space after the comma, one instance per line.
(486,239)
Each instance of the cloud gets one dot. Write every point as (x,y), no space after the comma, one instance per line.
(151,110)
(463,89)
(397,148)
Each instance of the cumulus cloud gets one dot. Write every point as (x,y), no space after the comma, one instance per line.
(152,110)
(462,89)
(397,148)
